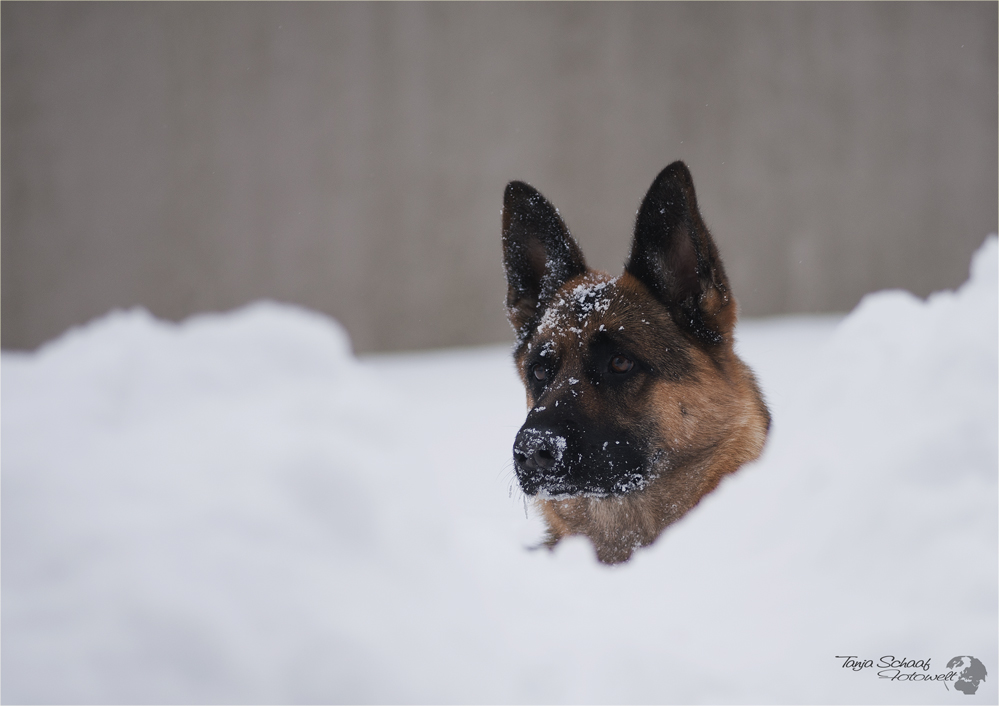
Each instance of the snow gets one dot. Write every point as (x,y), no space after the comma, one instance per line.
(579,304)
(236,509)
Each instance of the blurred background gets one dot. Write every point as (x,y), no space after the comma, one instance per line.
(351,157)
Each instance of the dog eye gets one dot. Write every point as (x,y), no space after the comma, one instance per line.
(620,364)
(538,371)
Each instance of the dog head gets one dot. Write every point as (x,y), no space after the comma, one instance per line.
(638,403)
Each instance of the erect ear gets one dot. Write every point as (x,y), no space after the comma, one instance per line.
(539,254)
(674,256)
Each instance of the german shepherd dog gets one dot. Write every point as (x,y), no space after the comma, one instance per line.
(638,404)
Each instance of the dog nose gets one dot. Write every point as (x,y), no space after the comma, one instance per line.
(537,454)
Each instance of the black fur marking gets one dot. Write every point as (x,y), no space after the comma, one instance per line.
(539,254)
(550,364)
(674,255)
(649,344)
(559,453)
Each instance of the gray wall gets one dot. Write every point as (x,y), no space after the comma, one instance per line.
(352,157)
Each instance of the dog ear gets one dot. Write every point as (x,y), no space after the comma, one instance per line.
(539,254)
(674,255)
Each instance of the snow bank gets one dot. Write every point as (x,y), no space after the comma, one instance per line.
(237,509)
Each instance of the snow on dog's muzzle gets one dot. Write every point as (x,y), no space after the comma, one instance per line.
(537,454)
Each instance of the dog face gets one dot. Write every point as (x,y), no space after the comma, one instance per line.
(638,403)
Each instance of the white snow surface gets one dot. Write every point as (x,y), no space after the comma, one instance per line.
(236,509)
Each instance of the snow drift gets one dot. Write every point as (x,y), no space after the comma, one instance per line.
(235,509)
